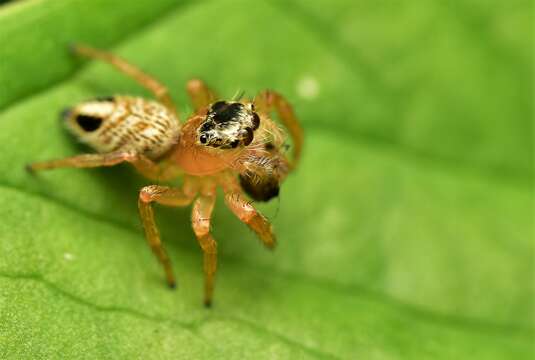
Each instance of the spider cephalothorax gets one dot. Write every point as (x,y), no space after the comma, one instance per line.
(228,125)
(226,144)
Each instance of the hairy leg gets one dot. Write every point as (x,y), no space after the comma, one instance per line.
(200,220)
(156,171)
(268,101)
(251,217)
(160,91)
(166,196)
(85,161)
(143,165)
(200,94)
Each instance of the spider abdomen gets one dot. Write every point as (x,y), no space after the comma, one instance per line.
(124,123)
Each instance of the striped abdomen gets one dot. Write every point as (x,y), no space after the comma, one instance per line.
(124,123)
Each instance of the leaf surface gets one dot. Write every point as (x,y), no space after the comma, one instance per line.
(406,233)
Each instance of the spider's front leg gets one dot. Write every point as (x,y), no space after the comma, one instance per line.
(200,220)
(166,196)
(247,214)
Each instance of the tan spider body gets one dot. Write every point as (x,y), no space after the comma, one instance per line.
(124,123)
(229,144)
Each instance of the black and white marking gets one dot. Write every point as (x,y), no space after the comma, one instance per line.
(228,125)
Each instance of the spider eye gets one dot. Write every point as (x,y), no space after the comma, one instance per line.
(249,136)
(207,126)
(88,123)
(203,139)
(256,121)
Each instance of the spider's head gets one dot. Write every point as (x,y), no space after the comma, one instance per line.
(228,124)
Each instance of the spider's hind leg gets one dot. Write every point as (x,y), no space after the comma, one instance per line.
(143,165)
(84,161)
(159,90)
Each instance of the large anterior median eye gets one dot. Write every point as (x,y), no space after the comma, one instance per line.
(88,123)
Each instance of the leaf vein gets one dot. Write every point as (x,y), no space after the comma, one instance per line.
(425,315)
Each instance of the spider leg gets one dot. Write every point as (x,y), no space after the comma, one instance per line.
(247,214)
(268,101)
(143,164)
(200,220)
(159,90)
(200,94)
(166,196)
(156,171)
(85,161)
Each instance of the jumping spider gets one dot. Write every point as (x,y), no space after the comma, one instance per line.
(231,144)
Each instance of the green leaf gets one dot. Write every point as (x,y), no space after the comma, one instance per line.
(406,233)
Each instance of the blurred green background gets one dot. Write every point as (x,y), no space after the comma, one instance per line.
(407,233)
